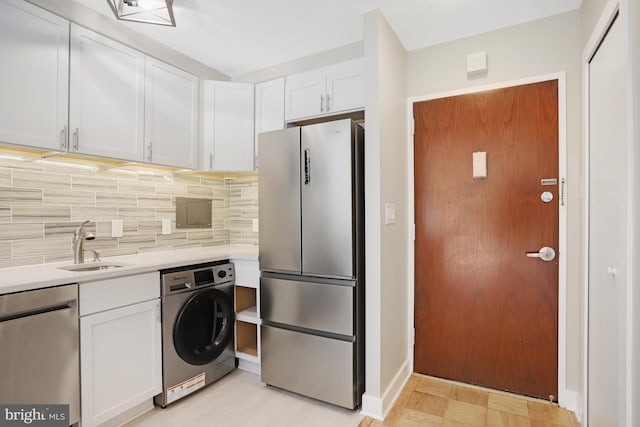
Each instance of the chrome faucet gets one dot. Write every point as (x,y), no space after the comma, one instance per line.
(79,236)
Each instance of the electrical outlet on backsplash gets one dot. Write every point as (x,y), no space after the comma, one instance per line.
(43,200)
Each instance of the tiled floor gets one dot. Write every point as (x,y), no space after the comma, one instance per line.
(240,400)
(431,402)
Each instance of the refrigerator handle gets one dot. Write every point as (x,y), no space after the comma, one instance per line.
(307,167)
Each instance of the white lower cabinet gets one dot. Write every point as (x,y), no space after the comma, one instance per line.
(120,346)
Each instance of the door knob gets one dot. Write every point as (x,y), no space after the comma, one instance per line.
(545,253)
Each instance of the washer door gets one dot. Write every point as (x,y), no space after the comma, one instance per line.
(204,326)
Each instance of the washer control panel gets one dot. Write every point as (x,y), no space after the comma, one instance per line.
(185,278)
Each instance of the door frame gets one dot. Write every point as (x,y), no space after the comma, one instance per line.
(566,398)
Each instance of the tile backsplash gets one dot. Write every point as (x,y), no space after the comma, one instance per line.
(42,201)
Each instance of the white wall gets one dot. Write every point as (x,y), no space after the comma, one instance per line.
(590,11)
(110,27)
(387,346)
(318,60)
(541,47)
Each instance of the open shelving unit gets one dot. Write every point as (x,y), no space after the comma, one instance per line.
(247,308)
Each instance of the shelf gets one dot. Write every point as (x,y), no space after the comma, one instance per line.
(247,341)
(247,309)
(246,298)
(249,350)
(249,315)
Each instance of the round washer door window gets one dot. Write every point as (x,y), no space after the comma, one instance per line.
(204,326)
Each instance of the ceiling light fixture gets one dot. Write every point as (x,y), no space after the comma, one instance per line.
(159,12)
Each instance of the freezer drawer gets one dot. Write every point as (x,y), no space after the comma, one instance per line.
(326,306)
(311,365)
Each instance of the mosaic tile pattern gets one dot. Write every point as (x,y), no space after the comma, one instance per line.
(42,201)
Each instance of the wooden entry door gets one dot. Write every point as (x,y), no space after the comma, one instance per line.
(485,312)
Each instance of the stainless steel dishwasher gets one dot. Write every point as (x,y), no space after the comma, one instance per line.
(39,342)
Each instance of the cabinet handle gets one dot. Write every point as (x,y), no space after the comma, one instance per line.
(307,167)
(149,152)
(328,100)
(321,103)
(76,144)
(210,160)
(63,139)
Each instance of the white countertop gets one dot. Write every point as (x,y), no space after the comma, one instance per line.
(24,278)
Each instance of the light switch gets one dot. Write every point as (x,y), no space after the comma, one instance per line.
(166,226)
(116,228)
(480,164)
(389,213)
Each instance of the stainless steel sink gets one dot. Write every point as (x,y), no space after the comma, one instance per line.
(94,266)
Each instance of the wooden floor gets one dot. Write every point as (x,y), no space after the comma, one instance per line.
(427,402)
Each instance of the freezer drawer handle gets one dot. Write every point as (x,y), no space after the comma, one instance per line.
(307,167)
(37,311)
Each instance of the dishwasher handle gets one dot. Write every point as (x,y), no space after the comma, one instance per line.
(37,311)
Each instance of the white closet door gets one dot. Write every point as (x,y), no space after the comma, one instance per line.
(609,152)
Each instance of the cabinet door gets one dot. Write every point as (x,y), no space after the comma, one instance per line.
(269,107)
(106,97)
(171,116)
(228,127)
(120,360)
(305,95)
(345,86)
(33,76)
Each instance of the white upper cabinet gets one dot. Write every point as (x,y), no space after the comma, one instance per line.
(33,76)
(326,91)
(345,86)
(269,113)
(227,128)
(106,97)
(305,94)
(171,116)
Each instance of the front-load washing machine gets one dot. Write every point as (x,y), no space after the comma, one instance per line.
(197,328)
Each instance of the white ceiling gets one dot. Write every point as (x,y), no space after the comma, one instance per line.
(239,36)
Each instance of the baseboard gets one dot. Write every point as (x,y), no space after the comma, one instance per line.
(572,400)
(568,399)
(378,407)
(248,366)
(130,414)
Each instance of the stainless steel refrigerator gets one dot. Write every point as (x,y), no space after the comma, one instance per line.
(311,201)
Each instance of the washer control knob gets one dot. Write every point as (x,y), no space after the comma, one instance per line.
(222,274)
